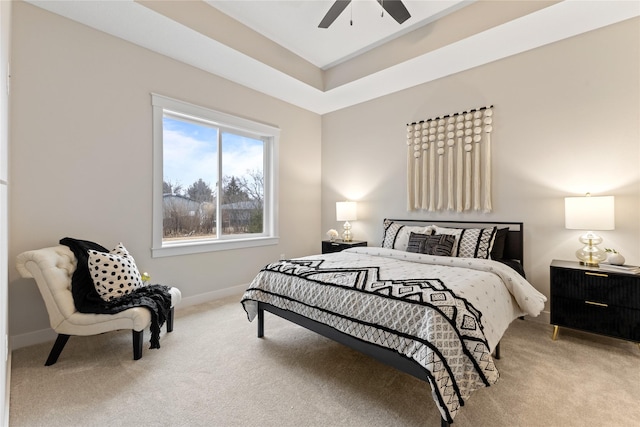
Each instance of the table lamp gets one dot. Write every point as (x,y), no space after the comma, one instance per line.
(346,211)
(590,213)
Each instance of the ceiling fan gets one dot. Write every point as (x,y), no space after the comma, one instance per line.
(395,8)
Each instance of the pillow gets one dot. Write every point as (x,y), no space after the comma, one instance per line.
(416,242)
(440,245)
(497,251)
(396,235)
(114,273)
(470,242)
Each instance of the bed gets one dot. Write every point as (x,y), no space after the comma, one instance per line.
(433,300)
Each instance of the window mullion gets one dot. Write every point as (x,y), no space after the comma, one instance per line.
(219,189)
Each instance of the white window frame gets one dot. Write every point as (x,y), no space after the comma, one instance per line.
(269,134)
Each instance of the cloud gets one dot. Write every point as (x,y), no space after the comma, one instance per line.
(240,154)
(190,153)
(187,159)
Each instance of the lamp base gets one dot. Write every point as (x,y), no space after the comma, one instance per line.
(589,263)
(591,255)
(346,236)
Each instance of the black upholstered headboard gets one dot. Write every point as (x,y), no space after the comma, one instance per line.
(514,243)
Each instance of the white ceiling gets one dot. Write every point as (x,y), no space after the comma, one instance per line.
(294,24)
(132,21)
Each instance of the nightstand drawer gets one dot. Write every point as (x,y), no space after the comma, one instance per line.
(598,287)
(591,316)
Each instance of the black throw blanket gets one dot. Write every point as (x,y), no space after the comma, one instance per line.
(156,298)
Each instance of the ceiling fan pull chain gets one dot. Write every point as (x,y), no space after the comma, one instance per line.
(351,19)
(382,9)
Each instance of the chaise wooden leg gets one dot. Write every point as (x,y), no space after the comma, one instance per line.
(61,341)
(444,423)
(170,321)
(138,336)
(496,352)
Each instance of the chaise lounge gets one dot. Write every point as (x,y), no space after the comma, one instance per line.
(53,268)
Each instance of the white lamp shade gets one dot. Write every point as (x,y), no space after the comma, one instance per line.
(589,213)
(346,211)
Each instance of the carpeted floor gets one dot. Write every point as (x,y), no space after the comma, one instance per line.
(213,371)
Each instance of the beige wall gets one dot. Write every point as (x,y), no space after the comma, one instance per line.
(81,156)
(567,121)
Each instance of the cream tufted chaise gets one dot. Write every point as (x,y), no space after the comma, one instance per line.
(52,269)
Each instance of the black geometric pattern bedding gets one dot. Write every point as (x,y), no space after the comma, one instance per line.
(419,318)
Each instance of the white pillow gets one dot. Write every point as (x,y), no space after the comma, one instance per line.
(396,235)
(115,273)
(470,242)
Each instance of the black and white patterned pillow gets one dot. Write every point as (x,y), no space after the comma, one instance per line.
(114,273)
(416,242)
(440,245)
(470,242)
(396,235)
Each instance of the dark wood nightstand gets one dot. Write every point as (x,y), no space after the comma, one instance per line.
(339,245)
(595,300)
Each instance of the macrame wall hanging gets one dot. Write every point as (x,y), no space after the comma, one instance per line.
(449,162)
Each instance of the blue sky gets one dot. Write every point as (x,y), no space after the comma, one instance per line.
(190,153)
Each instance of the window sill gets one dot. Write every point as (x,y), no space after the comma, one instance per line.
(195,247)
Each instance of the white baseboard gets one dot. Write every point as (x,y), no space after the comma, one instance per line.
(211,296)
(48,334)
(32,338)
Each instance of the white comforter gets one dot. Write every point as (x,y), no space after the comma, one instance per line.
(495,289)
(446,313)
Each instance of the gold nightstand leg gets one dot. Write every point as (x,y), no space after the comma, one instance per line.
(555,332)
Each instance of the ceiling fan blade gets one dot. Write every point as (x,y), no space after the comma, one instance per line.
(396,9)
(334,12)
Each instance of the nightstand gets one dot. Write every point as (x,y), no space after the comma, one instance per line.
(340,245)
(594,300)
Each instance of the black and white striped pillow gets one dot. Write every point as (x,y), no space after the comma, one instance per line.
(470,242)
(396,235)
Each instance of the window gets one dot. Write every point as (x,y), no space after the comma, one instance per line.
(214,184)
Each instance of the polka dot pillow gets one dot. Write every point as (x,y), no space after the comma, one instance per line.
(115,273)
